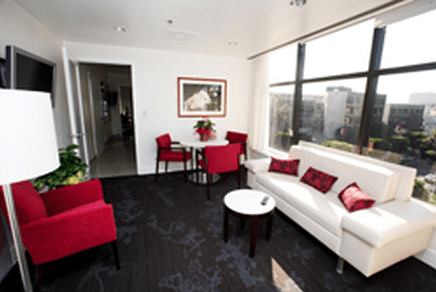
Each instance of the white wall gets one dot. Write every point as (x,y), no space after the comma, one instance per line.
(19,28)
(154,81)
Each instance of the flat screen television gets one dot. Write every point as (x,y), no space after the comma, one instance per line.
(30,72)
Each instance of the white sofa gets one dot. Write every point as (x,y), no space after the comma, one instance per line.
(396,227)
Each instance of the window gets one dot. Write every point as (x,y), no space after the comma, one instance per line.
(408,42)
(324,115)
(407,132)
(281,110)
(282,66)
(342,52)
(399,122)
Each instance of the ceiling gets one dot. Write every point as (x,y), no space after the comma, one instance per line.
(239,28)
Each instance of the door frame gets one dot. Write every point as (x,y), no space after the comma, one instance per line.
(68,60)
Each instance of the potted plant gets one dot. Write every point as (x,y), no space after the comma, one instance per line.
(205,128)
(71,171)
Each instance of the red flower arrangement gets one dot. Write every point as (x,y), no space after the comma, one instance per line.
(205,128)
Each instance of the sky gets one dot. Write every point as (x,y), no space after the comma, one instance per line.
(407,42)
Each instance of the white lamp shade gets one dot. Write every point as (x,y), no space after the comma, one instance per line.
(28,146)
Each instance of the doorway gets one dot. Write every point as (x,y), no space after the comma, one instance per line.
(108,108)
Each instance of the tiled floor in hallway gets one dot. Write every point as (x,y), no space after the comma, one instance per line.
(118,159)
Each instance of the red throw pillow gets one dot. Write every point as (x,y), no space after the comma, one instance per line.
(318,179)
(354,198)
(284,166)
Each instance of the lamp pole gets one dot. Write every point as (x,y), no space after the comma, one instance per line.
(19,249)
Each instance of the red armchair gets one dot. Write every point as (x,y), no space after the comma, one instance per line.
(167,152)
(241,138)
(219,159)
(64,221)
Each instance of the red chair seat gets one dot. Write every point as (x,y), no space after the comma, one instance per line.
(173,155)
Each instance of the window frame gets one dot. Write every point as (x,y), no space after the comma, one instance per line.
(371,75)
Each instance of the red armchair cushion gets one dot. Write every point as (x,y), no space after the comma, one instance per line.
(354,198)
(284,166)
(318,179)
(28,204)
(71,196)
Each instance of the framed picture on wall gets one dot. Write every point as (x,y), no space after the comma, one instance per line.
(198,97)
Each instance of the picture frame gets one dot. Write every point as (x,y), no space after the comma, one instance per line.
(199,97)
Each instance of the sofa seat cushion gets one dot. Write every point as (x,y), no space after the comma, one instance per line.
(388,222)
(325,209)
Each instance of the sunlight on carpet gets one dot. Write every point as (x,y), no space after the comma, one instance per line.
(281,280)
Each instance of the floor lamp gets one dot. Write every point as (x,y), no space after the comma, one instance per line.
(28,149)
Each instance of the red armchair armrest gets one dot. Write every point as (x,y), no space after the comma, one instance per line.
(71,196)
(61,235)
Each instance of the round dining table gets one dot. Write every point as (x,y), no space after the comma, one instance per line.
(194,143)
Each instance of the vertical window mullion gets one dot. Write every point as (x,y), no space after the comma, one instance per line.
(298,93)
(371,87)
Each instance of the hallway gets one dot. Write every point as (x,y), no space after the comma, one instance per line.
(118,159)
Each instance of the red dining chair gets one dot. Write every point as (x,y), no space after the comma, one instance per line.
(62,222)
(167,152)
(241,138)
(218,159)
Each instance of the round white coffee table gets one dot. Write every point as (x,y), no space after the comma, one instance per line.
(246,203)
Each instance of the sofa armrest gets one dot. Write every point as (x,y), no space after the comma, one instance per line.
(258,165)
(71,196)
(390,221)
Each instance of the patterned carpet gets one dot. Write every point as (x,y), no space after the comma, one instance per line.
(170,238)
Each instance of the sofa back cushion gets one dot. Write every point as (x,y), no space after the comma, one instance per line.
(306,156)
(379,182)
(408,174)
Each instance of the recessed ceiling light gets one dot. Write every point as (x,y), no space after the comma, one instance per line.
(120,29)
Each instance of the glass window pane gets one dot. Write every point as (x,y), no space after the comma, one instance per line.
(331,112)
(280,110)
(406,134)
(410,41)
(282,64)
(345,51)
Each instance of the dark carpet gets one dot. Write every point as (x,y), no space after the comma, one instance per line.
(170,238)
